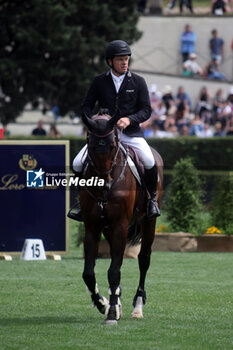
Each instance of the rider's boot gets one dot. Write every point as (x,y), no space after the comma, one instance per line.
(75,211)
(151,177)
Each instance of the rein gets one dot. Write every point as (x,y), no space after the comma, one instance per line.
(102,202)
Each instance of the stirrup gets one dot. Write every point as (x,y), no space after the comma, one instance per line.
(152,209)
(75,213)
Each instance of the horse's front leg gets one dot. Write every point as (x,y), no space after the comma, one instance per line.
(117,246)
(148,227)
(91,242)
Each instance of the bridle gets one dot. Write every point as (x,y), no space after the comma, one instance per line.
(102,143)
(102,202)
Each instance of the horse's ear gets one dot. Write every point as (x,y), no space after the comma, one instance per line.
(90,124)
(114,119)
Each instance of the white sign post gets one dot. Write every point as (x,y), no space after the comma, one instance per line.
(33,249)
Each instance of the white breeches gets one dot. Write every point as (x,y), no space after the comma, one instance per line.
(139,144)
(142,149)
(79,160)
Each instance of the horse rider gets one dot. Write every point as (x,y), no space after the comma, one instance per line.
(121,89)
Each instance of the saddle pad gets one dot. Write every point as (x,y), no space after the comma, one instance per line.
(132,166)
(134,169)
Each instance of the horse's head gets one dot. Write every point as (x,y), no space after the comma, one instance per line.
(102,136)
(102,140)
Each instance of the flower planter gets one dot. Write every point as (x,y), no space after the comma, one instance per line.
(214,243)
(186,242)
(177,242)
(174,242)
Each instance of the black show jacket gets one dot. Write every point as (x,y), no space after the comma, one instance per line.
(132,99)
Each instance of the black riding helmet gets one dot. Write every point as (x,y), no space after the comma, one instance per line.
(117,48)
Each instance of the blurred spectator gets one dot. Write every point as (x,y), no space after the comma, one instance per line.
(218,7)
(203,106)
(182,96)
(45,107)
(167,96)
(55,110)
(218,100)
(184,131)
(212,116)
(39,131)
(197,126)
(222,114)
(170,122)
(218,130)
(53,132)
(157,117)
(229,126)
(172,109)
(227,109)
(188,39)
(212,71)
(206,132)
(142,5)
(182,115)
(191,67)
(154,131)
(187,3)
(6,132)
(230,95)
(160,111)
(155,96)
(216,47)
(172,131)
(231,4)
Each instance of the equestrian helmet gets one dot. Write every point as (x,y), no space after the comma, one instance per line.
(117,48)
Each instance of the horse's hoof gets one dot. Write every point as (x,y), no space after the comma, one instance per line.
(114,314)
(110,322)
(137,311)
(136,315)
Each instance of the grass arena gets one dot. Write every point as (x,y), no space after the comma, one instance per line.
(44,304)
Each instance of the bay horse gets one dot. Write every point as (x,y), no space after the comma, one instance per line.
(117,210)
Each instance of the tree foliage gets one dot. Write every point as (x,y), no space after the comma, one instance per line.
(183,200)
(52,48)
(222,204)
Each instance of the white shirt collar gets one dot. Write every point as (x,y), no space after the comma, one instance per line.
(117,80)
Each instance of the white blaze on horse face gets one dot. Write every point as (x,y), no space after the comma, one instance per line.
(137,312)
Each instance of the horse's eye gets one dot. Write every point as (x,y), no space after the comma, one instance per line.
(112,146)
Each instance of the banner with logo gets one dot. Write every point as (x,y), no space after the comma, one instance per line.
(34,196)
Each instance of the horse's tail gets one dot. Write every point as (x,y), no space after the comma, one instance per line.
(134,234)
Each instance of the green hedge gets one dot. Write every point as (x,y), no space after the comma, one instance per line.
(208,154)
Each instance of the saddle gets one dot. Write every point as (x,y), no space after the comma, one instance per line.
(136,166)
